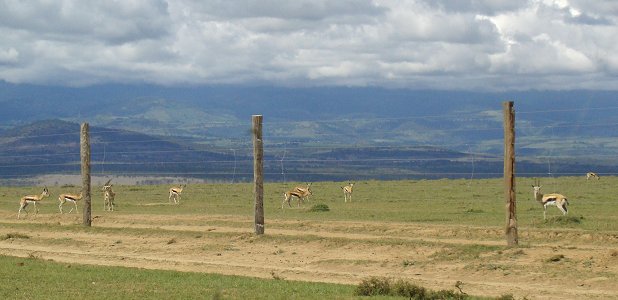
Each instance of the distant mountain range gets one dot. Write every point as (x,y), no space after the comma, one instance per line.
(310,133)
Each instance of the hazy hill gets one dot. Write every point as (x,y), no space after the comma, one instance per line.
(305,130)
(53,146)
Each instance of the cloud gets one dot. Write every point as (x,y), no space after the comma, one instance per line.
(486,7)
(8,56)
(73,21)
(311,10)
(469,44)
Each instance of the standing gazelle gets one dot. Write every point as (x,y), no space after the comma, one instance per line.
(70,198)
(108,196)
(300,194)
(592,175)
(305,190)
(347,191)
(176,193)
(25,200)
(558,200)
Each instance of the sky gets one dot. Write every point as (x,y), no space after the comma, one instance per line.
(483,45)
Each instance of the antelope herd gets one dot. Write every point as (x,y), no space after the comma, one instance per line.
(108,198)
(302,193)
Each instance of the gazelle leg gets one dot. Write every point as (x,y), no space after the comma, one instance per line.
(21,207)
(562,209)
(285,199)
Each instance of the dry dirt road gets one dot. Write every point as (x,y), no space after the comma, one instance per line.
(550,264)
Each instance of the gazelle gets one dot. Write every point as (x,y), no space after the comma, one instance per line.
(70,198)
(109,195)
(295,193)
(558,200)
(347,191)
(306,190)
(176,193)
(591,175)
(25,200)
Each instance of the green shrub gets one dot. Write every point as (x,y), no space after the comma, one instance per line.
(319,207)
(409,290)
(374,286)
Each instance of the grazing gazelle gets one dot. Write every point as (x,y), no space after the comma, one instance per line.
(25,200)
(300,194)
(306,190)
(109,195)
(558,200)
(347,191)
(70,198)
(592,174)
(176,193)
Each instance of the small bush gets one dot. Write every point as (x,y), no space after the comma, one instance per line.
(409,290)
(374,286)
(319,208)
(565,220)
(446,294)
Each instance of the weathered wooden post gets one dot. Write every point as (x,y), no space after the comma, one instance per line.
(509,173)
(258,169)
(85,159)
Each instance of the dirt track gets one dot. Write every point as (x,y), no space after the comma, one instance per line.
(551,264)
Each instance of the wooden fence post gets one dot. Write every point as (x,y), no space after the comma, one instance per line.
(85,163)
(509,174)
(258,169)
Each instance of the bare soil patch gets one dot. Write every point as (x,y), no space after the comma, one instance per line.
(550,264)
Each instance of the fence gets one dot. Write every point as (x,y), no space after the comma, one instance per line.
(464,145)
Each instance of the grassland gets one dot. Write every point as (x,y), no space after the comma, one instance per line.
(432,232)
(464,202)
(31,278)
